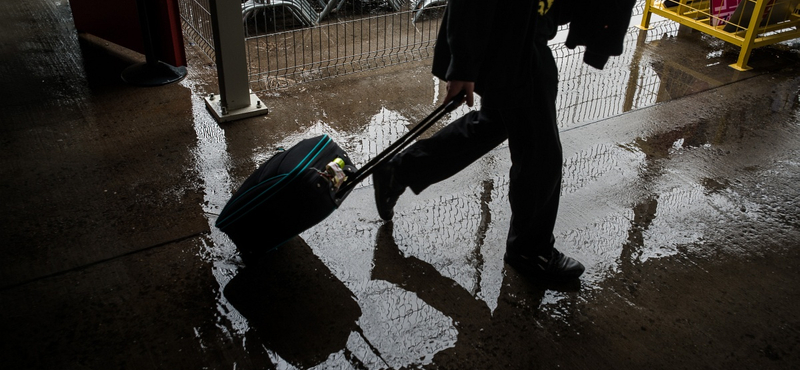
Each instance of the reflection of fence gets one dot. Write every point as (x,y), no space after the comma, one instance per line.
(587,94)
(745,23)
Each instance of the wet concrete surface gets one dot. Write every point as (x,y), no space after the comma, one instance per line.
(680,196)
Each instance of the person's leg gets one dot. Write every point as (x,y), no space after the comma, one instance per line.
(449,151)
(535,179)
(536,163)
(434,159)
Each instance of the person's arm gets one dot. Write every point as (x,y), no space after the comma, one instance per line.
(469,23)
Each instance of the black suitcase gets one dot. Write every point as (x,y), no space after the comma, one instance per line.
(290,192)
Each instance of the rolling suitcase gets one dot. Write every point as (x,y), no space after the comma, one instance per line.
(292,192)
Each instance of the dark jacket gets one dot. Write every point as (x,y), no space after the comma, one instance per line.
(487,42)
(497,43)
(600,26)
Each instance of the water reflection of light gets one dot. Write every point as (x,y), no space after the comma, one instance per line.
(212,163)
(436,84)
(401,326)
(627,82)
(404,328)
(428,330)
(446,232)
(603,185)
(685,214)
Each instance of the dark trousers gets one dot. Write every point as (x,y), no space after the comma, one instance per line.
(530,125)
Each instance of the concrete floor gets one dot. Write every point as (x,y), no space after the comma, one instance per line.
(684,210)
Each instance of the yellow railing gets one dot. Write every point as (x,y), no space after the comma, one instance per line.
(748,24)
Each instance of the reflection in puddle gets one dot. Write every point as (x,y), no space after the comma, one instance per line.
(627,82)
(404,328)
(623,204)
(436,88)
(294,306)
(213,163)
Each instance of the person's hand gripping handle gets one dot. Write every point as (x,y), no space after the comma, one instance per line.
(456,87)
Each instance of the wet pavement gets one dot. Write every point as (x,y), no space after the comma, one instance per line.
(680,196)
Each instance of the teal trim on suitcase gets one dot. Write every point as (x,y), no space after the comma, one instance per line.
(259,184)
(304,163)
(294,173)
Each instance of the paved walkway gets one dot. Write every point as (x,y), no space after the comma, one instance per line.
(684,210)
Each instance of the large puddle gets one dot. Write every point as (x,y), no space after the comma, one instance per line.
(623,203)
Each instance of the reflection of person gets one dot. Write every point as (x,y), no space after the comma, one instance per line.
(499,51)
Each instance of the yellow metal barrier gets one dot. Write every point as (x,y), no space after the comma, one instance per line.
(747,24)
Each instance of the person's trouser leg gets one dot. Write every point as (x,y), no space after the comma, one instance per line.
(449,151)
(534,185)
(536,157)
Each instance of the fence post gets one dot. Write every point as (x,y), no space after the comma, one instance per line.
(235,100)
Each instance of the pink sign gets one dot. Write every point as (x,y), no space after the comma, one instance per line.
(721,10)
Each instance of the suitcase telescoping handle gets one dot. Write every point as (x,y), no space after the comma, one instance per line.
(366,170)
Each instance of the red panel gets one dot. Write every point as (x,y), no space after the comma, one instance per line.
(172,48)
(118,21)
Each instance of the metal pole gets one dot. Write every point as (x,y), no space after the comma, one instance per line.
(235,101)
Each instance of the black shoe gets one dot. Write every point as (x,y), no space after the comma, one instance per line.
(556,267)
(387,190)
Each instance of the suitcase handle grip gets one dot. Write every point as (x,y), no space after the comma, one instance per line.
(399,145)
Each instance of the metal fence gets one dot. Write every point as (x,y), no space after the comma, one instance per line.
(295,41)
(196,21)
(336,38)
